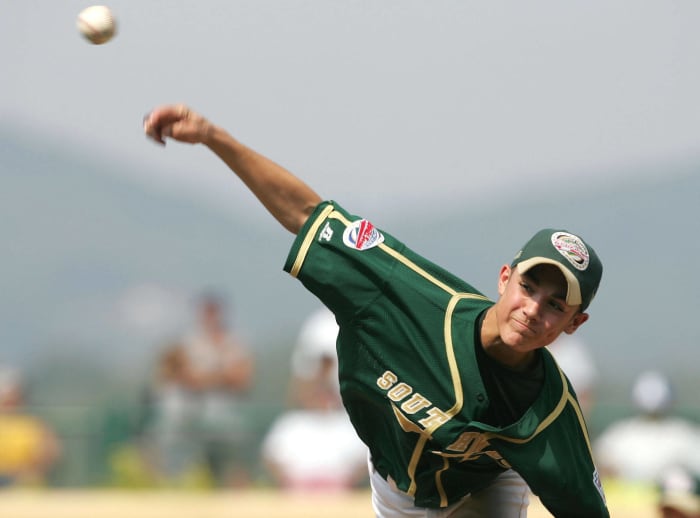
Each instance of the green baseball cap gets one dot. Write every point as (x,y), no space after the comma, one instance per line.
(577,261)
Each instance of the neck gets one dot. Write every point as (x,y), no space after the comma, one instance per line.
(498,350)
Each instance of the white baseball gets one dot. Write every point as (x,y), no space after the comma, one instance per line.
(97,24)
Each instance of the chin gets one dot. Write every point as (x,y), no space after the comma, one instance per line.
(515,341)
(520,343)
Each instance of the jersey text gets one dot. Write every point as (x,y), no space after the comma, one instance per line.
(412,402)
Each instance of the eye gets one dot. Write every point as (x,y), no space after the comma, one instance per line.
(526,287)
(556,305)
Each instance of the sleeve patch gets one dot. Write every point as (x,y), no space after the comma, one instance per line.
(362,235)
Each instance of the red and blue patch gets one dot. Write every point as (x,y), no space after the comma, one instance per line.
(362,235)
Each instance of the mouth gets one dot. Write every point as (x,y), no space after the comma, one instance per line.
(522,327)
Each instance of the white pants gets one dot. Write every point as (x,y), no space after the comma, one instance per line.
(506,497)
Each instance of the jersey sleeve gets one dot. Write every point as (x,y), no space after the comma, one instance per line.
(336,256)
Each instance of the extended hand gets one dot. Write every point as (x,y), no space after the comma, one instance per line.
(177,122)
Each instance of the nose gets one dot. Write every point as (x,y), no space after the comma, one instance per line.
(531,308)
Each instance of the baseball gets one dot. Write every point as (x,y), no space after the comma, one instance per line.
(97,24)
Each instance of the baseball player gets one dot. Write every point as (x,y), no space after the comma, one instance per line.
(459,403)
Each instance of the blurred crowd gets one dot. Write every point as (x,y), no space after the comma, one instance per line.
(654,447)
(197,423)
(29,448)
(197,419)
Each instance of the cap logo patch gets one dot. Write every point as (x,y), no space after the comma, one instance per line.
(572,248)
(362,235)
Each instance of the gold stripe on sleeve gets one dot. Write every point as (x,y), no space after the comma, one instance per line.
(405,261)
(413,266)
(306,244)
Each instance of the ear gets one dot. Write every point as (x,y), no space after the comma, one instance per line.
(503,278)
(576,321)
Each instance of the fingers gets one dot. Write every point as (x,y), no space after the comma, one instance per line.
(151,130)
(158,124)
(152,127)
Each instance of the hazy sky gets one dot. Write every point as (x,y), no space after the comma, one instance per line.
(368,100)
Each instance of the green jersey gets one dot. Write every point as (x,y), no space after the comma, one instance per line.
(410,378)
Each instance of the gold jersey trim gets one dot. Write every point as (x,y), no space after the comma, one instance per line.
(581,421)
(308,239)
(438,482)
(565,396)
(452,362)
(487,436)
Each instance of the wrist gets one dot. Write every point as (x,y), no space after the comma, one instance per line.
(209,134)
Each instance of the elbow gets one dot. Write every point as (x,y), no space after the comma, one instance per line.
(295,224)
(298,219)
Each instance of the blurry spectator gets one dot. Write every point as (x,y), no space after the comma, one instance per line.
(641,448)
(219,371)
(313,446)
(576,360)
(197,401)
(679,494)
(171,430)
(314,365)
(28,447)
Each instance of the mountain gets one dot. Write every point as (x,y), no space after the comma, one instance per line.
(96,262)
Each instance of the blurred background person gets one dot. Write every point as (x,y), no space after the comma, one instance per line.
(197,402)
(575,359)
(639,449)
(679,494)
(29,448)
(313,364)
(170,430)
(312,446)
(219,370)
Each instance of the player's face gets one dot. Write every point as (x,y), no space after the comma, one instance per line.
(532,309)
